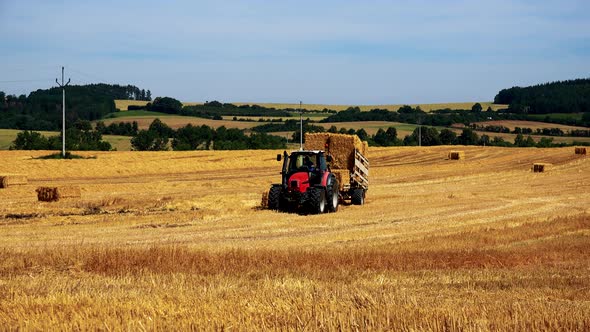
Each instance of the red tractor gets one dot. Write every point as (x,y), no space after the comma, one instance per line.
(307,184)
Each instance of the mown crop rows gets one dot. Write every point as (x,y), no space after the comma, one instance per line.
(176,240)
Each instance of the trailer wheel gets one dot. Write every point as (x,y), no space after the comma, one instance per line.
(274,198)
(333,197)
(316,200)
(358,196)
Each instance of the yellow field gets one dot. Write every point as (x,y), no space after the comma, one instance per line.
(178,121)
(122,105)
(175,240)
(534,125)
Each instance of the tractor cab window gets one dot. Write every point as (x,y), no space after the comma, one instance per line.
(302,162)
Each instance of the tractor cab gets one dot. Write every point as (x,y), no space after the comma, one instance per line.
(304,167)
(305,179)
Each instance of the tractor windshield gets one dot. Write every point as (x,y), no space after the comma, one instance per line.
(306,162)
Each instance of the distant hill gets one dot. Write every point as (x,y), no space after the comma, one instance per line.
(572,96)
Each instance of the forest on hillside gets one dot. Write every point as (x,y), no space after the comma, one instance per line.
(42,109)
(572,96)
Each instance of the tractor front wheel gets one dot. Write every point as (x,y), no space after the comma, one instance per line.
(274,198)
(333,197)
(316,200)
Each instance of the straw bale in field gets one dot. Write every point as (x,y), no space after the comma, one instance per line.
(541,167)
(52,194)
(69,192)
(47,194)
(581,151)
(457,155)
(12,179)
(264,202)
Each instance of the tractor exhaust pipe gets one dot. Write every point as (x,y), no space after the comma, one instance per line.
(300,127)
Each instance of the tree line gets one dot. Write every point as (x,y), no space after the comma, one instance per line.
(42,109)
(160,136)
(79,137)
(571,96)
(409,114)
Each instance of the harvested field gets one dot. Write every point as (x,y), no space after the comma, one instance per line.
(177,121)
(122,105)
(534,125)
(177,240)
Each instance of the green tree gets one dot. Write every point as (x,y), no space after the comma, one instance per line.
(468,137)
(190,137)
(30,140)
(166,105)
(161,129)
(147,140)
(448,137)
(362,134)
(476,108)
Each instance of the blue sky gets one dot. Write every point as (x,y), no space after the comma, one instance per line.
(331,52)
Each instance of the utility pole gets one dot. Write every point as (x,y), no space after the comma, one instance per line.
(300,127)
(419,130)
(63,104)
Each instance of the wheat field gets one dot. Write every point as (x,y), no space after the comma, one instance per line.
(176,240)
(123,104)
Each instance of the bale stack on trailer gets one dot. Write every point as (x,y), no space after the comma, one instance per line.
(349,162)
(340,146)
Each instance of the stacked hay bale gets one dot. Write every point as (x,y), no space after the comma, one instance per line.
(541,167)
(7,180)
(264,202)
(52,194)
(343,177)
(457,155)
(341,147)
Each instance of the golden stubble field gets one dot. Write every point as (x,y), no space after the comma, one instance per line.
(175,240)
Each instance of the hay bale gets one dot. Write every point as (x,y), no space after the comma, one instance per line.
(7,180)
(581,151)
(316,141)
(365,150)
(53,194)
(340,146)
(69,192)
(541,167)
(343,177)
(264,202)
(457,155)
(47,194)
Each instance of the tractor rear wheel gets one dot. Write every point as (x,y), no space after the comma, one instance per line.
(358,196)
(316,200)
(274,198)
(333,197)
